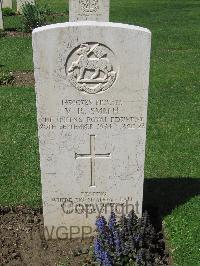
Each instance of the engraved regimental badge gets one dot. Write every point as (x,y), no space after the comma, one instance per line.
(89,6)
(91,68)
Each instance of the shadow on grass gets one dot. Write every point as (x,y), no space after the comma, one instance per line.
(161,196)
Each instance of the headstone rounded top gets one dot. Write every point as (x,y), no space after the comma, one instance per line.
(90,23)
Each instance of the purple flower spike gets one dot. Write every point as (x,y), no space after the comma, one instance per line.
(112,221)
(98,250)
(107,260)
(101,224)
(117,242)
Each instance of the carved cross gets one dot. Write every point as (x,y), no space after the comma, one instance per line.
(92,156)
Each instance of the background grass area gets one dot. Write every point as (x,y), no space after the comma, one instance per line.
(58,9)
(19,158)
(182,228)
(16,54)
(55,5)
(173,139)
(12,23)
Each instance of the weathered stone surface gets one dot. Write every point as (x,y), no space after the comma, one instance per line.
(92,94)
(7,3)
(1,18)
(91,10)
(20,4)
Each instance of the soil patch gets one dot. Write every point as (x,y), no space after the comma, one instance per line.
(23,79)
(13,33)
(18,79)
(22,242)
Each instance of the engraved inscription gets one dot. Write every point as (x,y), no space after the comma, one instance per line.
(91,68)
(89,6)
(89,114)
(92,156)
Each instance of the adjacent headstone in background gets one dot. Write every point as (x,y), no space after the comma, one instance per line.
(20,4)
(1,17)
(92,95)
(7,3)
(91,10)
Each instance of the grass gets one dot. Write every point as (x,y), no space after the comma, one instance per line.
(55,5)
(13,23)
(58,10)
(173,140)
(182,228)
(16,23)
(19,159)
(173,134)
(16,54)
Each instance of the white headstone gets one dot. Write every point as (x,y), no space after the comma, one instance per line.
(1,18)
(20,4)
(91,10)
(92,94)
(92,91)
(7,3)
